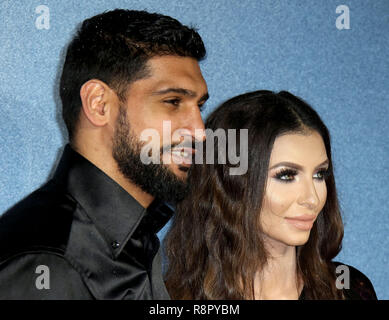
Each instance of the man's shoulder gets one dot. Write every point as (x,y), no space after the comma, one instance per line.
(41,220)
(41,275)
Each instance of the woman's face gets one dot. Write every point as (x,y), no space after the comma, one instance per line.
(296,189)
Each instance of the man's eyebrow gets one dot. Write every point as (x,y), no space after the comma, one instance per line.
(296,166)
(185,92)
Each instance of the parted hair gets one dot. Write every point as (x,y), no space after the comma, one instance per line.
(215,246)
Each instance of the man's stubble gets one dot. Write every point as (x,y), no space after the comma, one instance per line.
(155,179)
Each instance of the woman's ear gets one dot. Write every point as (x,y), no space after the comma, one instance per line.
(95,98)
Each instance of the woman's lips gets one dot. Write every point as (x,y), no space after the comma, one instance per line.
(304,222)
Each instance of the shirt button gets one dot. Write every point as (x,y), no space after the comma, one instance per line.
(115,244)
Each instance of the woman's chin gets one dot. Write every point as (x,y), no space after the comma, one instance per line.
(299,240)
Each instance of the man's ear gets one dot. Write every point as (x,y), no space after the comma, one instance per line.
(95,97)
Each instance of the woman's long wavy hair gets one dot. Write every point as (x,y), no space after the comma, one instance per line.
(215,245)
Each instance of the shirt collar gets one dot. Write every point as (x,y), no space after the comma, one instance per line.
(115,213)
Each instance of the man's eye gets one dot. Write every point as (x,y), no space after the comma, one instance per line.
(174,102)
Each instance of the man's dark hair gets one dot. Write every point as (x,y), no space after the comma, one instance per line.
(114,47)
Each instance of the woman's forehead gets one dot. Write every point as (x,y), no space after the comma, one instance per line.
(306,150)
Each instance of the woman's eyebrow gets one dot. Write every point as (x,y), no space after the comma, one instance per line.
(287,164)
(296,166)
(324,163)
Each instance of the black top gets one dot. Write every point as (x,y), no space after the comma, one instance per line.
(81,236)
(355,285)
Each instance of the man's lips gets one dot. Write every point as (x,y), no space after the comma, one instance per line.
(183,155)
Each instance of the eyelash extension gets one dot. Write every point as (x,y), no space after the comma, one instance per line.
(285,172)
(325,174)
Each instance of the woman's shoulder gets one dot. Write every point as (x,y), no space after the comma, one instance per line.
(354,283)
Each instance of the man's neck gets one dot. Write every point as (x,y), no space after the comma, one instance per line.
(103,160)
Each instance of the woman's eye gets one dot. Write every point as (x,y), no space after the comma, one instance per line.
(286,175)
(321,175)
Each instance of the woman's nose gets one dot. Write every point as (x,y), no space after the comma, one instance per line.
(309,197)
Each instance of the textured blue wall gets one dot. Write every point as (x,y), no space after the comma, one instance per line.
(291,45)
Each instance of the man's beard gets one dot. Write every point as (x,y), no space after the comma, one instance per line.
(155,179)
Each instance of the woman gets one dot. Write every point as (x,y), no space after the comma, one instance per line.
(271,233)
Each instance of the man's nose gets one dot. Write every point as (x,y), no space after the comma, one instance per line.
(195,125)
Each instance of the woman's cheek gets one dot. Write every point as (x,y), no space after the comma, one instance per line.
(322,195)
(279,198)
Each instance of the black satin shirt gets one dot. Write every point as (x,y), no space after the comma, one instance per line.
(81,236)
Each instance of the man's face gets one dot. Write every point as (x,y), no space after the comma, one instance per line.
(174,91)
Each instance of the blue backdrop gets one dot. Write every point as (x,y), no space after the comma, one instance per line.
(252,44)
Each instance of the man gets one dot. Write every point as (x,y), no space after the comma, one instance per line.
(90,232)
